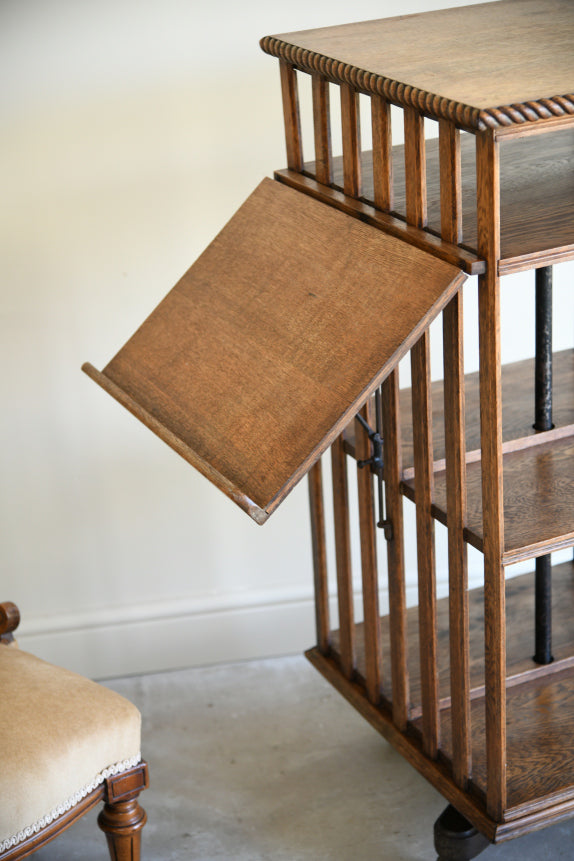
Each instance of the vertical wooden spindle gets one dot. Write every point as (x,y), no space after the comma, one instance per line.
(322,130)
(488,208)
(450,182)
(423,461)
(395,550)
(319,557)
(291,116)
(415,168)
(343,557)
(382,153)
(371,621)
(416,202)
(352,184)
(455,450)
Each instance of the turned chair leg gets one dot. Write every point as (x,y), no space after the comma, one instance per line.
(122,818)
(455,838)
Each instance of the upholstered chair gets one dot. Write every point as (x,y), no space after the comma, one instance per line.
(66,744)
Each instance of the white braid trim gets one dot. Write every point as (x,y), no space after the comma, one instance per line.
(67,805)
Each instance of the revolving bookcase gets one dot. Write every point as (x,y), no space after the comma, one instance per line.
(283,340)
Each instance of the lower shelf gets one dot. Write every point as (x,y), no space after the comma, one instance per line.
(540,708)
(540,742)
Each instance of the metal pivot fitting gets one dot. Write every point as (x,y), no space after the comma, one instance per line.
(375,462)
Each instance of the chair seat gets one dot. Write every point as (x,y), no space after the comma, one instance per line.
(61,735)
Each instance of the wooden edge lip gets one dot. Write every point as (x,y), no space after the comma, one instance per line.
(437,107)
(536,259)
(552,123)
(541,548)
(419,238)
(256,513)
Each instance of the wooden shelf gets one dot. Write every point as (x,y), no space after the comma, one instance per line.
(517,409)
(540,699)
(540,743)
(538,480)
(537,195)
(538,500)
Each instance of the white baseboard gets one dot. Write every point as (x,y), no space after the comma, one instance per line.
(150,638)
(146,639)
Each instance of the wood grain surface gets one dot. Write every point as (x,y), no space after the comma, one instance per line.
(537,194)
(519,68)
(245,362)
(538,500)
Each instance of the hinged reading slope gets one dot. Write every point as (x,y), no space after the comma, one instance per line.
(274,338)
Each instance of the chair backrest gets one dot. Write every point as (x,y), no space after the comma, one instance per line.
(9,621)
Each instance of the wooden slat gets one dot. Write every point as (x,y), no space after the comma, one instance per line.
(450,182)
(372,622)
(488,209)
(395,549)
(352,181)
(343,557)
(422,438)
(382,153)
(457,552)
(415,168)
(291,116)
(319,557)
(454,424)
(322,130)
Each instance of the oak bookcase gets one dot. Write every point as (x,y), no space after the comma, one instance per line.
(372,247)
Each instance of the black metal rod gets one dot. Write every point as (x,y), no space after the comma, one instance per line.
(543,361)
(543,602)
(543,422)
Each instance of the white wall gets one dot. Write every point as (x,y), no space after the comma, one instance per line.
(131,131)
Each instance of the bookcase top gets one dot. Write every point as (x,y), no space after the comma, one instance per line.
(483,65)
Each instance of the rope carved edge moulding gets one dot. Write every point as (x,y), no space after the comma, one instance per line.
(436,107)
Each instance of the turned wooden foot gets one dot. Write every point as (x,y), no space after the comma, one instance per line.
(455,838)
(122,818)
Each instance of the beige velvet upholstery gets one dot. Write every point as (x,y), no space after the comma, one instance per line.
(60,735)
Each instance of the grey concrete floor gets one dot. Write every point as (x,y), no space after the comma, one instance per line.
(263,761)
